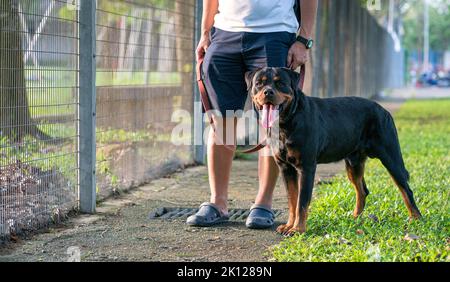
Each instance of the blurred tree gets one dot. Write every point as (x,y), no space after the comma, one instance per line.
(410,19)
(15,117)
(439,26)
(184,24)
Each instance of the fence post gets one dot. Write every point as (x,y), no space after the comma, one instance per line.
(332,41)
(318,53)
(87,106)
(198,124)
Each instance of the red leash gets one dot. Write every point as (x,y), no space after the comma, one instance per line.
(207,105)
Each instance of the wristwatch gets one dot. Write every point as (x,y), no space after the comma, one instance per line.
(309,43)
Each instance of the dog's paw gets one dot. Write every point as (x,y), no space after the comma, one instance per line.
(283,228)
(294,230)
(357,213)
(415,216)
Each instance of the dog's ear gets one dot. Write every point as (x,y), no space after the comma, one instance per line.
(249,78)
(296,92)
(295,78)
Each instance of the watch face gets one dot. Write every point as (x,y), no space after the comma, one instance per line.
(310,44)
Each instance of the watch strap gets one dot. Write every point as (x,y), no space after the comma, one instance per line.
(304,41)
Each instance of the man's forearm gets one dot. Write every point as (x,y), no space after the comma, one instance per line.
(308,13)
(210,9)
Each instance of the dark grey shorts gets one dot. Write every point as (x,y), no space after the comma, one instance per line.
(231,55)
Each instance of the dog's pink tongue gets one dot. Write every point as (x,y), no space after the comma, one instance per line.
(269,115)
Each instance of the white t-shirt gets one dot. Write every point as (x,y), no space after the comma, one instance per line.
(256,16)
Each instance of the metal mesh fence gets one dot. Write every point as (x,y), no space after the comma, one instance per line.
(144,74)
(38,113)
(354,55)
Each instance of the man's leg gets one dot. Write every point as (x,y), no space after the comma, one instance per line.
(221,147)
(220,156)
(224,78)
(261,215)
(268,175)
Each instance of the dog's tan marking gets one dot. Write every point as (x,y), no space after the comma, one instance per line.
(292,191)
(413,212)
(356,177)
(279,98)
(293,156)
(300,222)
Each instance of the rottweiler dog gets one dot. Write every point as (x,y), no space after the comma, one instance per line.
(315,131)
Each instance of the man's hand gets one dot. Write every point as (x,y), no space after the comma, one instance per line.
(297,55)
(202,46)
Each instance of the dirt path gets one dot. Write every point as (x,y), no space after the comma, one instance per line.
(122,231)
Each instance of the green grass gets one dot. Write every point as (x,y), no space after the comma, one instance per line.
(135,78)
(113,136)
(53,93)
(333,234)
(53,90)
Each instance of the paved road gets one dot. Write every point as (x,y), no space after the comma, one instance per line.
(419,93)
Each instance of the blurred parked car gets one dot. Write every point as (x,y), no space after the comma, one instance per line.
(433,79)
(444,81)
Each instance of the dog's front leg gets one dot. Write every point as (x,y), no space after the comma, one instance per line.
(290,179)
(304,198)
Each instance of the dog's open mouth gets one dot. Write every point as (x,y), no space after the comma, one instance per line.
(269,114)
